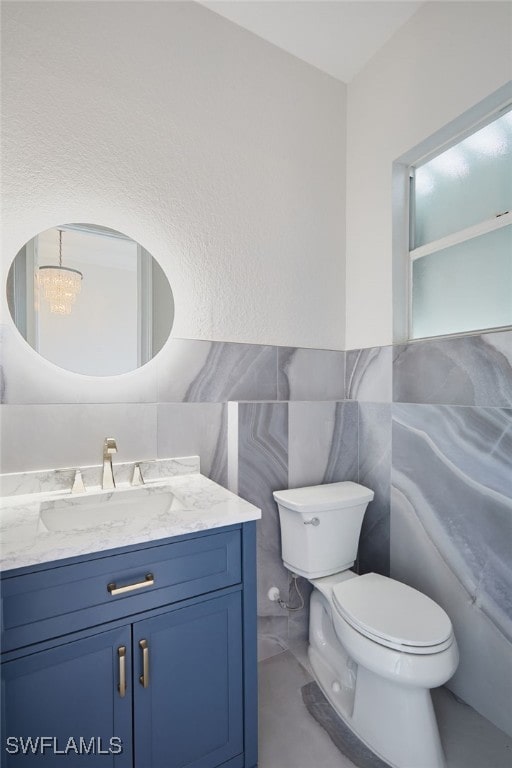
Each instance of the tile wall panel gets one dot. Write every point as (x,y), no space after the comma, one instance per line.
(368,381)
(212,371)
(454,465)
(262,469)
(469,370)
(310,374)
(375,473)
(191,429)
(51,436)
(451,535)
(368,374)
(322,443)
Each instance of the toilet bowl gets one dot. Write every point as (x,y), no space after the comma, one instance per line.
(376,646)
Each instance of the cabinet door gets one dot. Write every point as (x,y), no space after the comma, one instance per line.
(191,712)
(63,705)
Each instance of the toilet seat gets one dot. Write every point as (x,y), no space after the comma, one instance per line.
(393,614)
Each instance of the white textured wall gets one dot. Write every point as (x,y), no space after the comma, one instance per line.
(447,58)
(222,155)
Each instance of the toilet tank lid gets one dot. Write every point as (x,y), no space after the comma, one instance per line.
(320,498)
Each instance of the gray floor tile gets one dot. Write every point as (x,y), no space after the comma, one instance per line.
(290,738)
(469,740)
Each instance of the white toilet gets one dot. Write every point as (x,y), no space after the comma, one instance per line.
(376,646)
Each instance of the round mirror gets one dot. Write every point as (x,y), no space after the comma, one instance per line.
(90,299)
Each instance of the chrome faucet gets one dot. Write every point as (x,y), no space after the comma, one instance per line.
(109,447)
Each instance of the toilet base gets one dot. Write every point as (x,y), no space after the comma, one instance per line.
(396,722)
(343,736)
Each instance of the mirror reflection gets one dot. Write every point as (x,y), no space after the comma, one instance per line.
(90,299)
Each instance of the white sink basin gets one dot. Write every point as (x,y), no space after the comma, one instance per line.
(82,513)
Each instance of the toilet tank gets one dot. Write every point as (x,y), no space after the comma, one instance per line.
(320,527)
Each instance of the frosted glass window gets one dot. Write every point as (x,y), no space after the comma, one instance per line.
(460,253)
(467,184)
(464,288)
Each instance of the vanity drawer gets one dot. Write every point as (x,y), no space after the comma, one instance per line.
(67,598)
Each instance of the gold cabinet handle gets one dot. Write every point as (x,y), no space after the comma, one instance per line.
(149,580)
(121,654)
(144,678)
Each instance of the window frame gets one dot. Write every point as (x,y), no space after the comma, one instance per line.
(489,110)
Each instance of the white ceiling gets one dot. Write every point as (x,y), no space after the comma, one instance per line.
(337,36)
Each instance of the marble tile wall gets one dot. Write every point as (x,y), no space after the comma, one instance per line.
(375,473)
(451,500)
(262,469)
(435,444)
(173,405)
(310,374)
(281,445)
(205,371)
(467,511)
(368,374)
(368,380)
(187,426)
(469,370)
(46,436)
(322,442)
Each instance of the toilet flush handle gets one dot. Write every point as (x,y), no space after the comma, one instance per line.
(314,521)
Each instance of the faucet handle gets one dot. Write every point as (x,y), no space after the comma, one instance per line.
(109,446)
(78,483)
(137,478)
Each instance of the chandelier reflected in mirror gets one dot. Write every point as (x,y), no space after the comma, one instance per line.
(123,315)
(60,285)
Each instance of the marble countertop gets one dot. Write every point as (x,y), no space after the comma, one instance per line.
(43,527)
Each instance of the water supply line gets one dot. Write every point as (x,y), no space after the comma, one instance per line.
(284,605)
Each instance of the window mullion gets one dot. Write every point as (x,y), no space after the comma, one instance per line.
(490,225)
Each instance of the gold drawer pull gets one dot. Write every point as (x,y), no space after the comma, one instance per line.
(121,653)
(144,678)
(149,580)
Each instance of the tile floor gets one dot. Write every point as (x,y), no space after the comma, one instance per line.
(290,738)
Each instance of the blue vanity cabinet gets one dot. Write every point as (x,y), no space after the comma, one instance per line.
(191,711)
(153,646)
(63,704)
